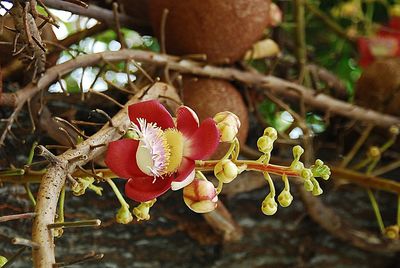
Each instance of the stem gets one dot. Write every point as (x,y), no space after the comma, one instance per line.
(301,40)
(328,21)
(270,183)
(377,211)
(87,223)
(398,210)
(17,216)
(117,193)
(14,257)
(356,146)
(61,205)
(251,165)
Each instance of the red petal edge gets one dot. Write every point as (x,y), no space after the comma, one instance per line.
(142,189)
(187,121)
(185,174)
(121,158)
(203,143)
(153,111)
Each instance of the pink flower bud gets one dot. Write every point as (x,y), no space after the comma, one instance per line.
(200,196)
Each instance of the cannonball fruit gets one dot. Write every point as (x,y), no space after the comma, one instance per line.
(222,29)
(208,97)
(379,86)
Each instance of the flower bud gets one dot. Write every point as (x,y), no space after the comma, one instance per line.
(142,211)
(269,206)
(265,144)
(225,171)
(228,125)
(317,190)
(392,232)
(271,132)
(124,216)
(3,260)
(374,152)
(80,187)
(200,196)
(308,185)
(285,198)
(306,174)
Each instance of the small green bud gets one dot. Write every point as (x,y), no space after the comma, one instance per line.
(124,216)
(83,183)
(225,171)
(308,185)
(142,211)
(3,261)
(297,152)
(306,174)
(317,190)
(269,206)
(285,198)
(271,133)
(265,144)
(131,134)
(374,152)
(97,189)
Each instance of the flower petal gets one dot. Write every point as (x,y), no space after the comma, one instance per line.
(185,175)
(203,143)
(142,189)
(153,111)
(187,121)
(121,158)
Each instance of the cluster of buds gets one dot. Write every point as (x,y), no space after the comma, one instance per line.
(84,183)
(285,198)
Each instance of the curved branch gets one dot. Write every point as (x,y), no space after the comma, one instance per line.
(100,14)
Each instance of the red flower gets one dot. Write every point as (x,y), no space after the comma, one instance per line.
(384,44)
(164,154)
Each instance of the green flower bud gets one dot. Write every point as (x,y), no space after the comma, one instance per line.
(308,185)
(3,261)
(297,152)
(83,183)
(225,171)
(265,144)
(142,211)
(317,190)
(271,132)
(131,134)
(374,152)
(269,206)
(391,232)
(124,216)
(306,174)
(285,198)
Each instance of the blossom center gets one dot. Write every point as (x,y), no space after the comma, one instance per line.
(175,141)
(153,153)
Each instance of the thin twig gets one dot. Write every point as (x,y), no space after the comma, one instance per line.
(28,215)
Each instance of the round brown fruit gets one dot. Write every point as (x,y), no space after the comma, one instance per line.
(379,86)
(223,30)
(210,96)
